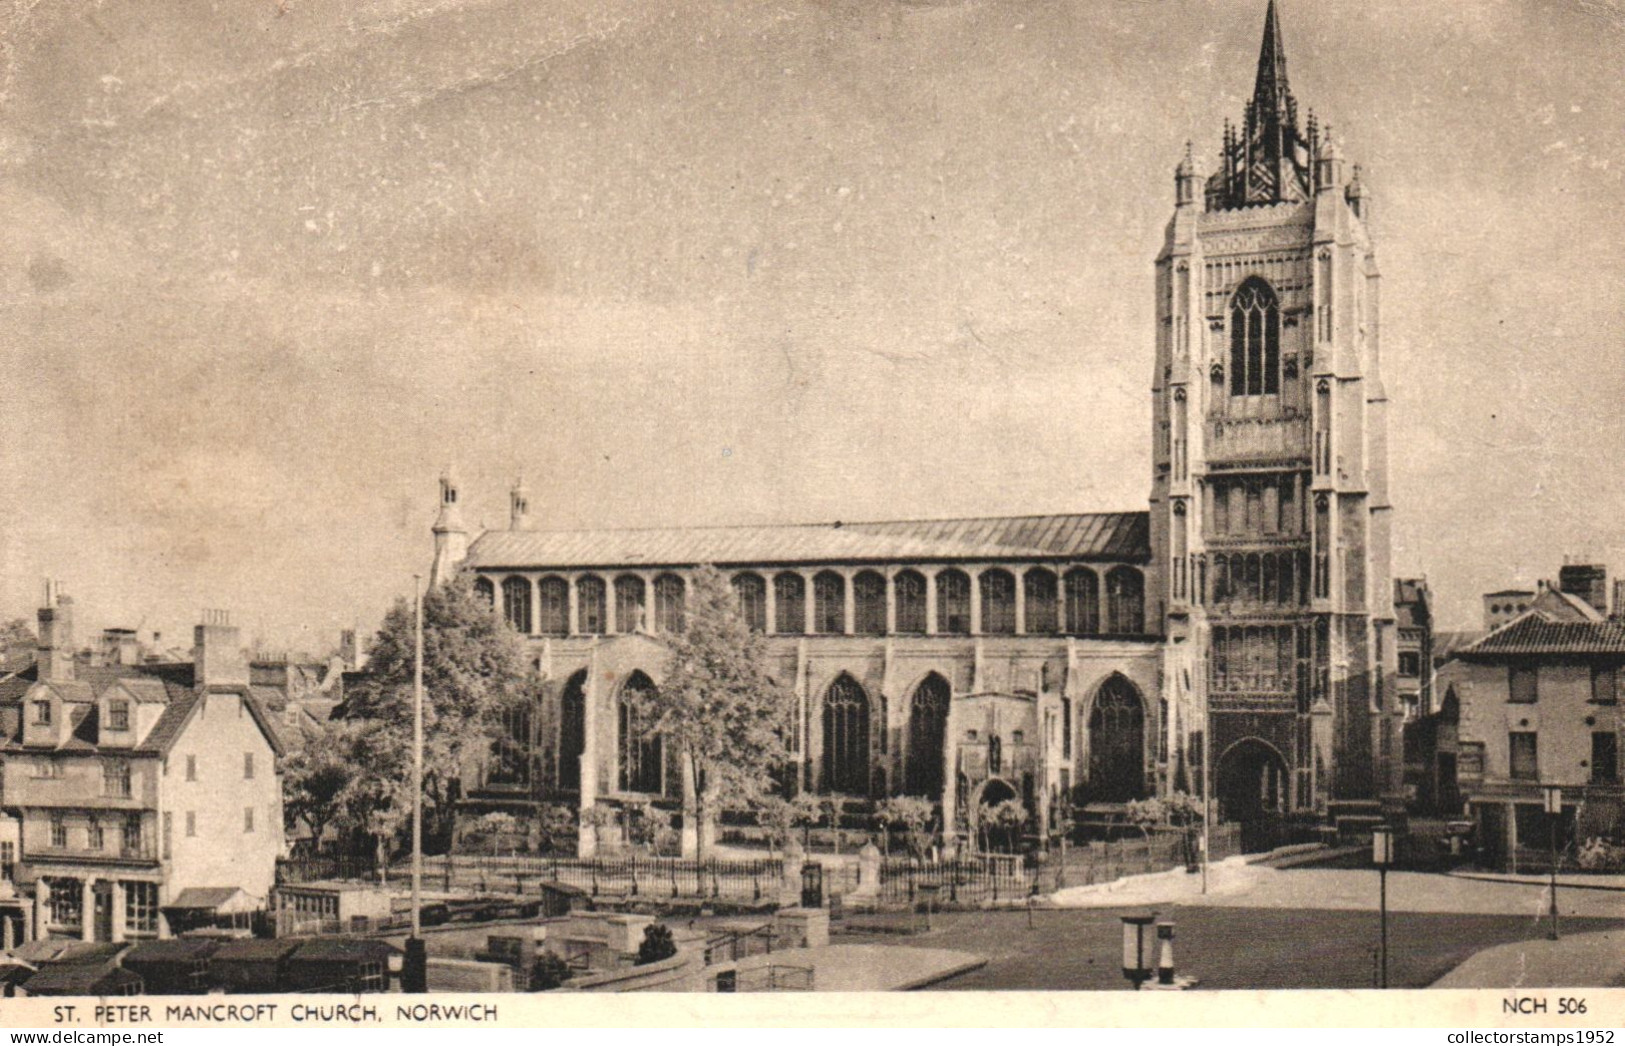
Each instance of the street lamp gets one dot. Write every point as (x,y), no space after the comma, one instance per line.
(1138,930)
(1554,818)
(415,971)
(1382,855)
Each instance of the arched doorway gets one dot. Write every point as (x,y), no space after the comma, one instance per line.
(1117,743)
(927,721)
(995,834)
(1251,787)
(572,731)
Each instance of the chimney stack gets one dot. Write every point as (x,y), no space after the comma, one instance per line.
(55,656)
(1589,581)
(349,650)
(217,652)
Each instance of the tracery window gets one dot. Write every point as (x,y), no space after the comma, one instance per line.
(590,605)
(1082,602)
(869,604)
(751,591)
(790,603)
(486,591)
(1040,597)
(953,602)
(927,725)
(1255,341)
(668,603)
(516,603)
(910,600)
(629,603)
(829,603)
(554,608)
(1125,601)
(998,602)
(846,737)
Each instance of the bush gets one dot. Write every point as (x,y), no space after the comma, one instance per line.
(1600,855)
(657,944)
(549,972)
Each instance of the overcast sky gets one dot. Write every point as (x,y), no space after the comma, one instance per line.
(268,267)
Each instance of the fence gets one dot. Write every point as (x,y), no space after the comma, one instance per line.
(653,878)
(975,880)
(306,869)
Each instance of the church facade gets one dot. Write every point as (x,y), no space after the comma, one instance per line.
(1240,632)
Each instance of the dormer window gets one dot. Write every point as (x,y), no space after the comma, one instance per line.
(118,715)
(42,713)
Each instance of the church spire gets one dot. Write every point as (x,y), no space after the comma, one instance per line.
(1268,162)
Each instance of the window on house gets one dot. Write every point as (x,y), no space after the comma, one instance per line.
(191,768)
(248,766)
(116,778)
(65,906)
(1605,757)
(47,768)
(1521,684)
(95,838)
(140,907)
(118,715)
(1522,756)
(169,833)
(248,818)
(1410,663)
(1604,684)
(42,713)
(132,835)
(191,824)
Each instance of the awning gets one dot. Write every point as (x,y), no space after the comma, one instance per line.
(226,900)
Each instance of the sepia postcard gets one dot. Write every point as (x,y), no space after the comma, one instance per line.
(1094,512)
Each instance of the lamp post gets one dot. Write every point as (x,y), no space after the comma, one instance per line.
(1138,930)
(415,972)
(1382,855)
(1554,818)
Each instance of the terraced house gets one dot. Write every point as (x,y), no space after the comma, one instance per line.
(1247,617)
(140,796)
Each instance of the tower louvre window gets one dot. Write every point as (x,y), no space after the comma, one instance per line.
(1255,341)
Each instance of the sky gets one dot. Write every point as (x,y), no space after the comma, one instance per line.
(270,265)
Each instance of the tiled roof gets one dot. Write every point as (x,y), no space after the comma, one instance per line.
(343,949)
(1097,536)
(255,949)
(80,979)
(204,897)
(176,949)
(1536,633)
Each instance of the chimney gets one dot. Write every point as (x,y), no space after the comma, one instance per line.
(217,654)
(1588,581)
(349,650)
(55,636)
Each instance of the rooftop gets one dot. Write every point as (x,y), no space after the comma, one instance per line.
(1538,633)
(1083,536)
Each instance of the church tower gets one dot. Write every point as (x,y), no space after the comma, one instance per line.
(1269,504)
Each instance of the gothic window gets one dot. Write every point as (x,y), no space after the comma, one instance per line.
(829,603)
(910,600)
(1125,601)
(554,600)
(995,755)
(1039,585)
(516,603)
(751,591)
(953,602)
(668,603)
(572,731)
(927,726)
(846,738)
(1255,341)
(590,605)
(510,750)
(1082,602)
(790,603)
(628,603)
(998,602)
(486,591)
(639,751)
(869,604)
(1117,742)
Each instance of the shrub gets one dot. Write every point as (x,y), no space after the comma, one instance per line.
(913,816)
(657,944)
(549,972)
(1600,855)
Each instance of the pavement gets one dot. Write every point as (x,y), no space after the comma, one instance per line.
(1594,958)
(871,967)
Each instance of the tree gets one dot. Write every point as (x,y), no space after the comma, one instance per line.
(17,640)
(657,944)
(548,972)
(472,664)
(315,779)
(718,710)
(913,815)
